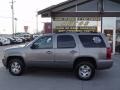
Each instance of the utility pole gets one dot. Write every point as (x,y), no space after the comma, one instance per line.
(15,24)
(12,8)
(36,23)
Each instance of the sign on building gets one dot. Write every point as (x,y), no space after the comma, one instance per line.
(73,24)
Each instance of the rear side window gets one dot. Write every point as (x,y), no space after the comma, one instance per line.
(65,41)
(92,41)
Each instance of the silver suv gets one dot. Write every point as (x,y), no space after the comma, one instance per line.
(82,52)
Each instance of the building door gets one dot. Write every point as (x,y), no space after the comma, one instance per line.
(109,35)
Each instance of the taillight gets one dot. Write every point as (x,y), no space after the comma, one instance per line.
(109,52)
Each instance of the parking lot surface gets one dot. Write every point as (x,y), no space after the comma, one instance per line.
(44,79)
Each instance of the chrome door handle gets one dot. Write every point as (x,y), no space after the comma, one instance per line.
(49,52)
(73,52)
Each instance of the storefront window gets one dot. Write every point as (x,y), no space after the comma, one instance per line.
(111,28)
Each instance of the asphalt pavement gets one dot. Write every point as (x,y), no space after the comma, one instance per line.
(41,79)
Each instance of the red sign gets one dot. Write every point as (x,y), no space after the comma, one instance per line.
(47,28)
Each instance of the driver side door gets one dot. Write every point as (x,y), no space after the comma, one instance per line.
(42,52)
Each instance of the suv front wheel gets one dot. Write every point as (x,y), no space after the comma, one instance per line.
(16,67)
(85,70)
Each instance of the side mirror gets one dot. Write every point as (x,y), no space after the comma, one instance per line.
(34,46)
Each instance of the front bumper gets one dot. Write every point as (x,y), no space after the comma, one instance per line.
(104,64)
(4,61)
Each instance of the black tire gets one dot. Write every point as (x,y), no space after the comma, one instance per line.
(20,64)
(1,44)
(79,72)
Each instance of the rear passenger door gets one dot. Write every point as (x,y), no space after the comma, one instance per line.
(66,50)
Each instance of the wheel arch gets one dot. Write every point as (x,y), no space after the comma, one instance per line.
(85,59)
(14,57)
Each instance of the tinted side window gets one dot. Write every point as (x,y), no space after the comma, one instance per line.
(44,42)
(92,41)
(65,41)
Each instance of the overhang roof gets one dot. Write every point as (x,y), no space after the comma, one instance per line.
(54,6)
(70,2)
(64,5)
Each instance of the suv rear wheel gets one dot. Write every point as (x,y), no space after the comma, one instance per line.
(85,70)
(16,67)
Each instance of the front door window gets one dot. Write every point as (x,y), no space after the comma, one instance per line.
(44,42)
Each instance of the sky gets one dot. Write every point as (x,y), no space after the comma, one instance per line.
(25,12)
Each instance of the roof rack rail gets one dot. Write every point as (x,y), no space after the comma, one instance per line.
(76,32)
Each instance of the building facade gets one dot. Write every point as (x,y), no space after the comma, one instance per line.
(87,16)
